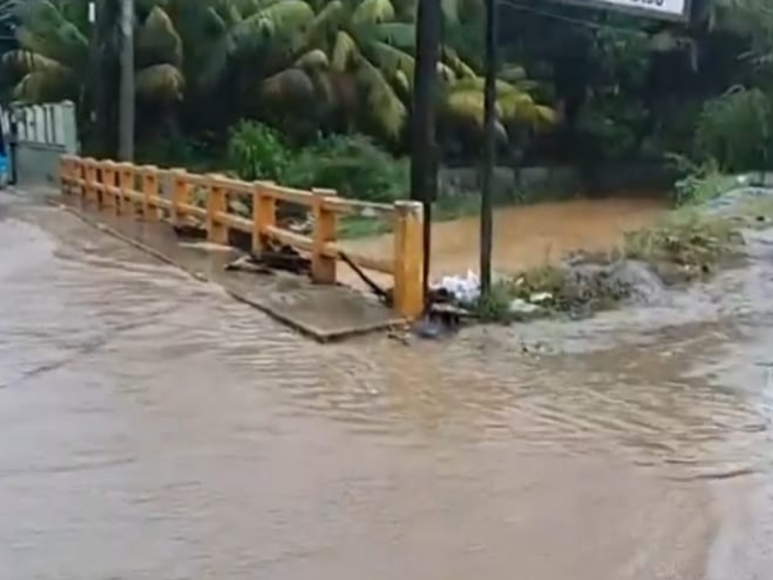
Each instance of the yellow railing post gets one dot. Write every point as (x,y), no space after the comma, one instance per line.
(217,232)
(323,268)
(65,174)
(108,182)
(90,176)
(149,193)
(125,184)
(80,170)
(263,214)
(180,194)
(409,259)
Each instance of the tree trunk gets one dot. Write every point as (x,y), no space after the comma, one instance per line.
(127,94)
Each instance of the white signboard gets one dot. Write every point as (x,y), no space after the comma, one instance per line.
(665,9)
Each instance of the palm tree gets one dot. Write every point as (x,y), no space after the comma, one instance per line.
(8,9)
(516,109)
(362,47)
(52,62)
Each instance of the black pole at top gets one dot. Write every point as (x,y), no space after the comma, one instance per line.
(489,160)
(423,143)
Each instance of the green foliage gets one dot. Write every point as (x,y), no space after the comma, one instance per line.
(687,245)
(698,182)
(53,61)
(256,151)
(353,166)
(735,129)
(609,129)
(174,149)
(618,89)
(495,306)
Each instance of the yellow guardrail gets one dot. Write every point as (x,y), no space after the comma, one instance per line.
(124,187)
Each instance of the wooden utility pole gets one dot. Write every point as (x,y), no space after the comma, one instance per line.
(423,144)
(127,90)
(489,160)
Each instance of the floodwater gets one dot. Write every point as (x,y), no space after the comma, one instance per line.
(155,429)
(528,236)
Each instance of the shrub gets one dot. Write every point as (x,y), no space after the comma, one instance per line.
(699,182)
(694,242)
(353,166)
(174,149)
(734,129)
(495,306)
(256,151)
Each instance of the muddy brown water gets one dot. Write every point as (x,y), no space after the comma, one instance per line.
(528,236)
(153,428)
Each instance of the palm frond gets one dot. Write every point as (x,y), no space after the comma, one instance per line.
(384,105)
(46,85)
(25,61)
(9,9)
(326,21)
(391,60)
(460,68)
(546,118)
(403,83)
(290,85)
(313,60)
(513,74)
(344,51)
(451,9)
(278,21)
(446,73)
(213,63)
(467,104)
(207,28)
(399,34)
(161,82)
(516,106)
(478,83)
(46,31)
(373,12)
(158,40)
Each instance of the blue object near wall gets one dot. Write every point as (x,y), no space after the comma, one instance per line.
(4,171)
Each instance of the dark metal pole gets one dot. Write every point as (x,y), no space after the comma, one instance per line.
(489,160)
(423,144)
(92,87)
(126,93)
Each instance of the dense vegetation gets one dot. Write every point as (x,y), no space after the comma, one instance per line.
(307,90)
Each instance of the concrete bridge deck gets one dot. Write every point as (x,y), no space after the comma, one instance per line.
(325,313)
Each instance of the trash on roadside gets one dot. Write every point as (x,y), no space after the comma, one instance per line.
(464,290)
(540,297)
(520,306)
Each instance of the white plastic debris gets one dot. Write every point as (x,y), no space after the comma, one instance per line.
(464,289)
(520,306)
(540,297)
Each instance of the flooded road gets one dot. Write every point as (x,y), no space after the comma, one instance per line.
(153,428)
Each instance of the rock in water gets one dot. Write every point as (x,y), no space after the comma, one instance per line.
(616,281)
(642,282)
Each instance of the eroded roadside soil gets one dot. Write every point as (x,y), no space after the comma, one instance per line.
(153,428)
